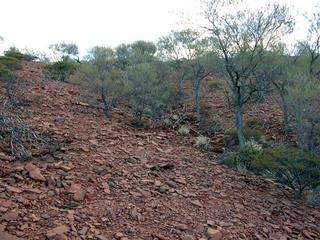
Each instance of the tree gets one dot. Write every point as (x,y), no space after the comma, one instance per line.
(16,53)
(274,73)
(242,37)
(65,51)
(310,49)
(204,64)
(103,75)
(179,47)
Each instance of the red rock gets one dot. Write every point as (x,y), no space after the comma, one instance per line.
(7,236)
(57,232)
(214,234)
(34,172)
(78,192)
(13,189)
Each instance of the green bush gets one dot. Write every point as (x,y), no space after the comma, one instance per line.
(293,167)
(215,85)
(138,122)
(60,71)
(15,53)
(212,126)
(253,123)
(184,130)
(202,142)
(251,153)
(10,62)
(4,71)
(231,136)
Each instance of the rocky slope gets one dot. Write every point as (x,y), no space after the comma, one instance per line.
(112,181)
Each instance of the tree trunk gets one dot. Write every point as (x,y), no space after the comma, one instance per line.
(239,126)
(285,111)
(197,95)
(106,108)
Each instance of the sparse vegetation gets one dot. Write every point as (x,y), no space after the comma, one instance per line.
(183,130)
(231,137)
(202,142)
(293,167)
(14,52)
(10,62)
(212,131)
(60,71)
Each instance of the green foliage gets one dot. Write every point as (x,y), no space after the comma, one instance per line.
(10,62)
(253,123)
(215,85)
(65,51)
(231,137)
(138,122)
(4,71)
(202,142)
(15,53)
(209,126)
(148,94)
(60,71)
(183,130)
(251,153)
(303,100)
(293,167)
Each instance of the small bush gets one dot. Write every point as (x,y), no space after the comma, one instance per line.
(60,71)
(184,131)
(4,71)
(174,120)
(313,196)
(209,127)
(252,123)
(138,122)
(215,85)
(10,62)
(231,136)
(15,53)
(202,142)
(293,167)
(251,153)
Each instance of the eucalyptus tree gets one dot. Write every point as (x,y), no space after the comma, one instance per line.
(65,51)
(242,38)
(179,48)
(99,72)
(310,49)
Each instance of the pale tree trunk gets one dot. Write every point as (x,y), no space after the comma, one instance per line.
(197,96)
(285,111)
(239,126)
(106,107)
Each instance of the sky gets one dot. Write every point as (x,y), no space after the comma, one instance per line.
(35,24)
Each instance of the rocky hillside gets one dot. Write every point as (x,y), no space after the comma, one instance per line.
(109,180)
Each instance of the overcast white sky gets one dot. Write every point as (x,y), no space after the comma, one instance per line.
(35,24)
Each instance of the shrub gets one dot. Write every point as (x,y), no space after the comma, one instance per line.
(61,70)
(253,123)
(202,142)
(138,122)
(293,167)
(231,137)
(209,127)
(251,153)
(215,85)
(4,71)
(148,93)
(313,196)
(175,120)
(183,130)
(10,62)
(15,53)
